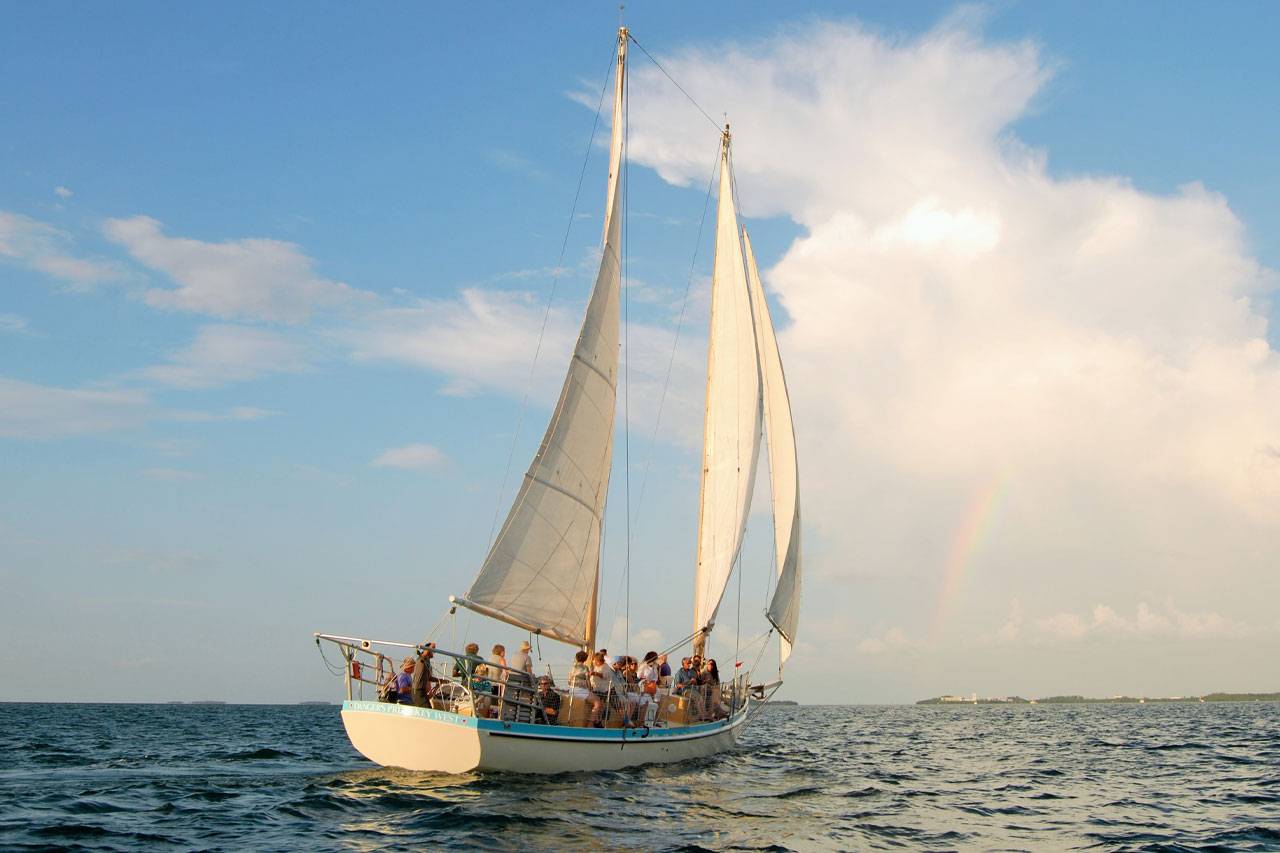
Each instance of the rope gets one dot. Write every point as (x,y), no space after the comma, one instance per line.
(737,626)
(546,315)
(705,114)
(337,671)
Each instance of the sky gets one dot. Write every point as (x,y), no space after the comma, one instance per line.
(272,281)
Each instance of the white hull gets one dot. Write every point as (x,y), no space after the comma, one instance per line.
(430,740)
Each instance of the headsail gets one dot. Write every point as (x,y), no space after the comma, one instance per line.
(731,437)
(542,571)
(784,608)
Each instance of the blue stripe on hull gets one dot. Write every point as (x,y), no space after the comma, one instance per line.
(573,734)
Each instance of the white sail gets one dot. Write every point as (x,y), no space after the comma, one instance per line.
(784,608)
(731,437)
(542,571)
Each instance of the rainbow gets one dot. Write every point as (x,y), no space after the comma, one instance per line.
(975,522)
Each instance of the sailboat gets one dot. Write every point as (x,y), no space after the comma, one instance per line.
(542,572)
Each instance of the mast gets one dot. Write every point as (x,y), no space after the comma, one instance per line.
(542,572)
(615,168)
(731,426)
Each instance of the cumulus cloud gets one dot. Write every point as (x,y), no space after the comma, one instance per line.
(484,340)
(252,278)
(222,354)
(42,247)
(1147,622)
(411,456)
(959,315)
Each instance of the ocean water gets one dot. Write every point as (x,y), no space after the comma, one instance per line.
(252,777)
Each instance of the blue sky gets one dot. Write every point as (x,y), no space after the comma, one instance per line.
(197,471)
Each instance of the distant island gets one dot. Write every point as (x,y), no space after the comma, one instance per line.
(974,699)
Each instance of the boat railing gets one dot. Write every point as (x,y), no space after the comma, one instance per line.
(511,694)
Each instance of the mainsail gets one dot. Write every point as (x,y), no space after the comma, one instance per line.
(731,437)
(542,571)
(784,608)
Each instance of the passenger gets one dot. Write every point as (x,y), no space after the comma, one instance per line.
(580,686)
(464,668)
(637,696)
(422,682)
(499,657)
(664,672)
(625,693)
(522,660)
(404,682)
(685,677)
(548,702)
(651,670)
(601,684)
(518,690)
(709,687)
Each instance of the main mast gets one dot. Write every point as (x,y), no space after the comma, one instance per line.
(731,426)
(615,168)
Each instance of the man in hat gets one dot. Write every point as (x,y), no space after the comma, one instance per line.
(421,685)
(521,660)
(519,686)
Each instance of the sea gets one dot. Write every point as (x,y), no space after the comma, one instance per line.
(1041,777)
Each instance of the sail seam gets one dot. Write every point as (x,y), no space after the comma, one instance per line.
(597,371)
(568,494)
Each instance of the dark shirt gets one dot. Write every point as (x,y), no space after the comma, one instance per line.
(664,671)
(550,703)
(420,684)
(684,678)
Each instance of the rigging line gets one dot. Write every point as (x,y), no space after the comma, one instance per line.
(705,114)
(737,627)
(546,314)
(675,343)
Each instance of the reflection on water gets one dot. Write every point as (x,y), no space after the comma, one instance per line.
(1170,777)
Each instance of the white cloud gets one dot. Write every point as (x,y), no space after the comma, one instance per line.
(252,278)
(40,246)
(485,340)
(893,639)
(1147,623)
(13,324)
(221,354)
(40,411)
(171,475)
(411,456)
(482,340)
(960,316)
(62,192)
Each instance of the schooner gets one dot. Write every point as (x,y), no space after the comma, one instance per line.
(542,572)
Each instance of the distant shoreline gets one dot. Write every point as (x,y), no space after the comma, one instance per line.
(1113,700)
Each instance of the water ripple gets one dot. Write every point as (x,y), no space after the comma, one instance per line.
(1151,778)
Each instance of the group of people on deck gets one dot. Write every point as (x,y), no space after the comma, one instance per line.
(618,688)
(625,687)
